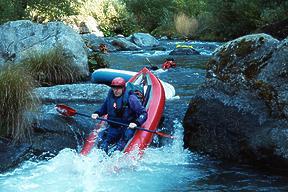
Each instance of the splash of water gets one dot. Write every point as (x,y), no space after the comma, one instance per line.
(69,171)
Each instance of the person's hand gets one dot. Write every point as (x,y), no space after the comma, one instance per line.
(132,125)
(94,116)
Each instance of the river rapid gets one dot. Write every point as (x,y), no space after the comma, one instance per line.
(165,166)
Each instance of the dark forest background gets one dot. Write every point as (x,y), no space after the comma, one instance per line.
(217,20)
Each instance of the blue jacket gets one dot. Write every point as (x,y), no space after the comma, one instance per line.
(125,109)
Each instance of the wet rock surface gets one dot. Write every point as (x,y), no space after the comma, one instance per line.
(240,112)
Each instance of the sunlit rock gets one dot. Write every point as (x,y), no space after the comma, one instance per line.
(143,40)
(21,38)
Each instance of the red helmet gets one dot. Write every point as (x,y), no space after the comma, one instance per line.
(118,82)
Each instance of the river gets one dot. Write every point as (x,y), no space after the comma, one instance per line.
(165,166)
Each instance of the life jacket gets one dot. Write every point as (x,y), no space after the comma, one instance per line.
(118,108)
(136,90)
(168,64)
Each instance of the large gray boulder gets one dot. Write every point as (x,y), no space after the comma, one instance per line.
(240,112)
(23,37)
(122,44)
(143,40)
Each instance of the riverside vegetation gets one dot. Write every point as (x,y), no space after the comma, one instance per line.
(193,19)
(16,88)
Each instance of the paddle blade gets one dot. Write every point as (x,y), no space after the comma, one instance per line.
(165,135)
(65,110)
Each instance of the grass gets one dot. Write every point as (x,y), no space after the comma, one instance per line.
(52,67)
(17,82)
(16,99)
(185,25)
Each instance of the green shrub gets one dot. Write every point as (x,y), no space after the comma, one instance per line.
(274,11)
(53,67)
(111,15)
(41,10)
(16,99)
(96,61)
(11,10)
(151,14)
(191,8)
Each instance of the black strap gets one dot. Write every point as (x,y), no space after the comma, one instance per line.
(146,96)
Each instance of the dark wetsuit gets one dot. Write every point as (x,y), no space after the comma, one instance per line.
(124,109)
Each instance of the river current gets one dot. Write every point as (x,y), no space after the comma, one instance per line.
(165,166)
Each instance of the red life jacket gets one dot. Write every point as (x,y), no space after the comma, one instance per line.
(168,64)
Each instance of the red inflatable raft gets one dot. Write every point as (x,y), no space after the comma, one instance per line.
(154,103)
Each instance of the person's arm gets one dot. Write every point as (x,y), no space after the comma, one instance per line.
(102,110)
(139,109)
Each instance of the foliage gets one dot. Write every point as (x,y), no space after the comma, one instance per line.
(39,10)
(52,67)
(274,11)
(47,10)
(150,14)
(11,10)
(112,16)
(231,19)
(16,99)
(96,61)
(185,25)
(191,8)
(221,19)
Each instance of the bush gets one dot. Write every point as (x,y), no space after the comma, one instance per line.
(40,10)
(274,11)
(11,10)
(96,61)
(16,99)
(111,15)
(191,8)
(231,19)
(151,14)
(51,68)
(185,25)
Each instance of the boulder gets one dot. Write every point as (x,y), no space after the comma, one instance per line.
(23,37)
(122,44)
(52,131)
(184,51)
(240,112)
(11,155)
(143,40)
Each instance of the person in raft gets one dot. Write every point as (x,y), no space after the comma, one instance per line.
(122,106)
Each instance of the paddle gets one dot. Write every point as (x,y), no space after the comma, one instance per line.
(68,111)
(153,67)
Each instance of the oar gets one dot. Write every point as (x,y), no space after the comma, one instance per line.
(68,111)
(153,67)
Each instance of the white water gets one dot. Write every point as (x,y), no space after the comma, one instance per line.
(160,169)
